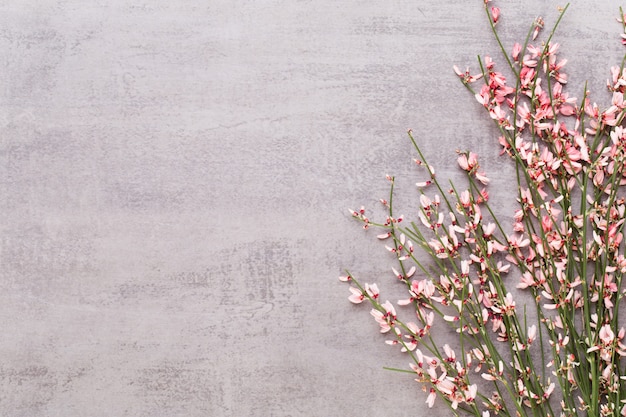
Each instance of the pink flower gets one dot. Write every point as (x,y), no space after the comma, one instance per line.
(507,307)
(516,241)
(517,48)
(484,97)
(548,391)
(372,291)
(495,14)
(431,398)
(451,356)
(357,296)
(425,202)
(532,334)
(465,199)
(470,393)
(567,110)
(606,335)
(480,176)
(488,377)
(483,197)
(466,76)
(535,51)
(385,319)
(527,280)
(523,113)
(538,26)
(467,161)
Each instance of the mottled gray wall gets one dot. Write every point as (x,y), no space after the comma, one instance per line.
(175,177)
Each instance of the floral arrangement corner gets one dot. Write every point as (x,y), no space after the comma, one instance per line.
(566,355)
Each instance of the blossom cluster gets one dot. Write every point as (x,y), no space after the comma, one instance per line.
(565,245)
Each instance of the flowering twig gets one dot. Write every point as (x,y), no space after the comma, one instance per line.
(565,246)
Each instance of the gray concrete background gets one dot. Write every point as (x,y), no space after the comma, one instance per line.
(175,177)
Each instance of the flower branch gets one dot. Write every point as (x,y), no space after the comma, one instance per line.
(565,248)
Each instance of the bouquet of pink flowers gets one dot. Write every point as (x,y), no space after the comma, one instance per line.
(565,246)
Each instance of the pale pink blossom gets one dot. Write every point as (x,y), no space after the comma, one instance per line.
(482,177)
(357,296)
(495,14)
(468,161)
(386,318)
(488,377)
(517,48)
(430,400)
(465,199)
(606,335)
(466,76)
(372,291)
(538,26)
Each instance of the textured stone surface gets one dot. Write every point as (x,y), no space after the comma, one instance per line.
(174,178)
